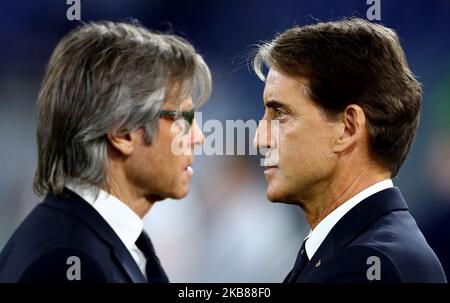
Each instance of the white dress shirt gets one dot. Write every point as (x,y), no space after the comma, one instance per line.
(318,234)
(123,220)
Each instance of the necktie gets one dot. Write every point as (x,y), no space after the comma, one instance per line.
(155,272)
(300,263)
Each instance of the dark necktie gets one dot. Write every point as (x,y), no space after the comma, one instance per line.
(300,263)
(153,269)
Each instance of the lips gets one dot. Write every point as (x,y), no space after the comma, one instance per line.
(188,169)
(269,169)
(270,162)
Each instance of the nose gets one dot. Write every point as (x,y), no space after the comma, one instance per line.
(263,136)
(196,135)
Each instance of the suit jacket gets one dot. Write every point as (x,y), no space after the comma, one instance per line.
(62,227)
(376,241)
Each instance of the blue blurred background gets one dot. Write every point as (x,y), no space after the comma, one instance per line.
(226,230)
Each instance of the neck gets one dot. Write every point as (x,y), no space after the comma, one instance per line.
(135,200)
(329,195)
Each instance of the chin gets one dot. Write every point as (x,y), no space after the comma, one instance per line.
(278,194)
(180,194)
(274,198)
(273,194)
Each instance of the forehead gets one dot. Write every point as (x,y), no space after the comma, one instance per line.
(280,86)
(173,98)
(174,92)
(186,104)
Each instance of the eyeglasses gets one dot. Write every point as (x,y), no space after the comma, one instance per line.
(188,116)
(175,115)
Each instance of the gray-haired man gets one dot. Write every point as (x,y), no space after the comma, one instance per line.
(105,127)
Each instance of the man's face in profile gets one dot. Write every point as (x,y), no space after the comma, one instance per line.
(155,169)
(303,139)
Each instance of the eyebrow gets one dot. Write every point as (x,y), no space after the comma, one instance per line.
(187,108)
(277,104)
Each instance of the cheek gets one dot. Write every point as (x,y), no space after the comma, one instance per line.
(294,145)
(174,144)
(145,166)
(304,150)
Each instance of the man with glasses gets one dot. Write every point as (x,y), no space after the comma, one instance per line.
(107,114)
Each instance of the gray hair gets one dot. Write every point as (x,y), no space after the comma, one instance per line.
(107,77)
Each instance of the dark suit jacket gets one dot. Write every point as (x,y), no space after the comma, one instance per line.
(379,226)
(61,227)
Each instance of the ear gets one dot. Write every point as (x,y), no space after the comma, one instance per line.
(123,143)
(352,128)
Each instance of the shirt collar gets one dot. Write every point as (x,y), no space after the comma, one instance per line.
(318,234)
(122,219)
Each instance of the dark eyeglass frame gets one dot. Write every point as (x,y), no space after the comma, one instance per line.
(175,115)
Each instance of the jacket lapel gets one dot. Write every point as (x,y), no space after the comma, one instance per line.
(73,204)
(353,223)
